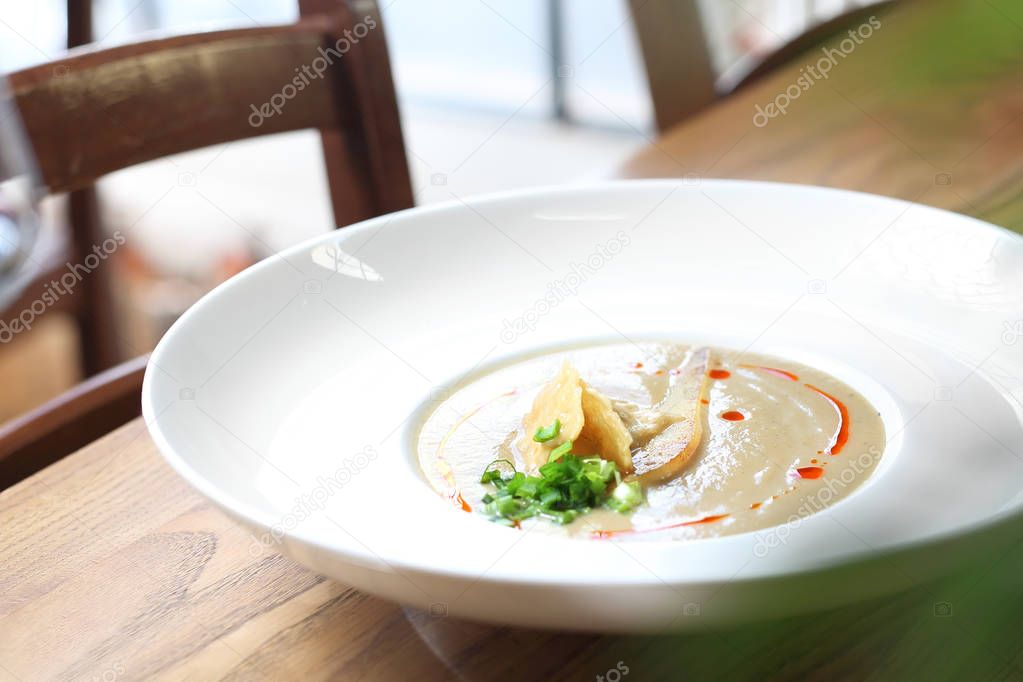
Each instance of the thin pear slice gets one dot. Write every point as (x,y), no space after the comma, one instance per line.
(561,399)
(666,454)
(604,429)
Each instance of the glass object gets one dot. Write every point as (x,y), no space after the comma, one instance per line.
(19,194)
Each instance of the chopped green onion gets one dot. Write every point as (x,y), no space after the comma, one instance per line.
(515,482)
(550,497)
(567,487)
(626,497)
(529,488)
(510,508)
(557,452)
(563,517)
(546,433)
(497,470)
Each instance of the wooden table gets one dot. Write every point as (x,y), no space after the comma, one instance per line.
(112,568)
(929,108)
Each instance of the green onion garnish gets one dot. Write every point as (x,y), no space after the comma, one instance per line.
(566,487)
(546,433)
(626,497)
(497,470)
(557,452)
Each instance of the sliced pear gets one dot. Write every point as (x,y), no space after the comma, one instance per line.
(560,399)
(603,427)
(666,454)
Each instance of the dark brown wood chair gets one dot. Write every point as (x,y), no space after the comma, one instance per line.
(100,110)
(97,111)
(677,58)
(71,421)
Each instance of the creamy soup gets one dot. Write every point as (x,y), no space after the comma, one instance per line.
(703,441)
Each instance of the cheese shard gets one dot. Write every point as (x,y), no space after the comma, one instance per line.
(560,399)
(603,428)
(679,420)
(584,413)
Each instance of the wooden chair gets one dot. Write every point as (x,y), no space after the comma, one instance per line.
(100,110)
(97,111)
(678,65)
(71,421)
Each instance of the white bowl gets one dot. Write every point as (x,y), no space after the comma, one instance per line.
(292,394)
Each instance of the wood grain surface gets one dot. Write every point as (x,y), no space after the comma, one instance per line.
(928,108)
(112,568)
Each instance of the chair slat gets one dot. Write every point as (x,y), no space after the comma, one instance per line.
(147,100)
(70,421)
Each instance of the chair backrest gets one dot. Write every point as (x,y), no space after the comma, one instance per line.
(679,67)
(99,110)
(676,53)
(70,421)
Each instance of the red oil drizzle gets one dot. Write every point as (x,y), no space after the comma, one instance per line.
(810,472)
(704,401)
(604,534)
(755,505)
(733,416)
(719,374)
(774,370)
(637,365)
(456,498)
(841,437)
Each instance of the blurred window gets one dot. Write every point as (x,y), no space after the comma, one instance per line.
(574,59)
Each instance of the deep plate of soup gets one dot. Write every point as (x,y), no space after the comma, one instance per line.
(634,406)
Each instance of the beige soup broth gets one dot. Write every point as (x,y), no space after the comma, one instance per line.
(770,439)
